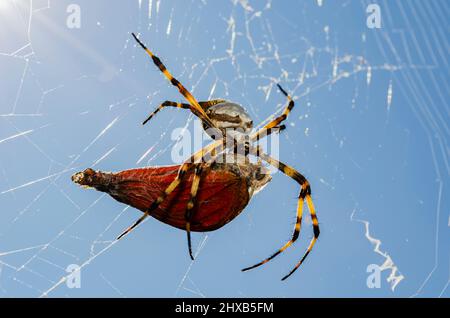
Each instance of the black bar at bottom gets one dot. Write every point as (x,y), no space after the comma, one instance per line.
(212,306)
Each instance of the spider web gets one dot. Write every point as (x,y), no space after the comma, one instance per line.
(369,130)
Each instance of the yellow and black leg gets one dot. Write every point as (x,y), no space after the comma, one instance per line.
(200,168)
(264,132)
(189,97)
(191,204)
(286,111)
(305,195)
(295,236)
(204,105)
(315,237)
(275,124)
(167,104)
(207,104)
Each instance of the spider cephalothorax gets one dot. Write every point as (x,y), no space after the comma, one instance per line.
(222,120)
(227,115)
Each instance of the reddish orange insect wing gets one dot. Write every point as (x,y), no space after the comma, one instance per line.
(222,195)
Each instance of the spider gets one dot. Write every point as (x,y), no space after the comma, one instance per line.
(202,194)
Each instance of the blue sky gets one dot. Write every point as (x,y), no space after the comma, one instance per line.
(369,131)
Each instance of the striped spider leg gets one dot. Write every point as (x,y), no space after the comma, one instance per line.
(187,95)
(305,195)
(305,191)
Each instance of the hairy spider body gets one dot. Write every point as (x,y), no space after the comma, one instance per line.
(227,115)
(217,202)
(201,179)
